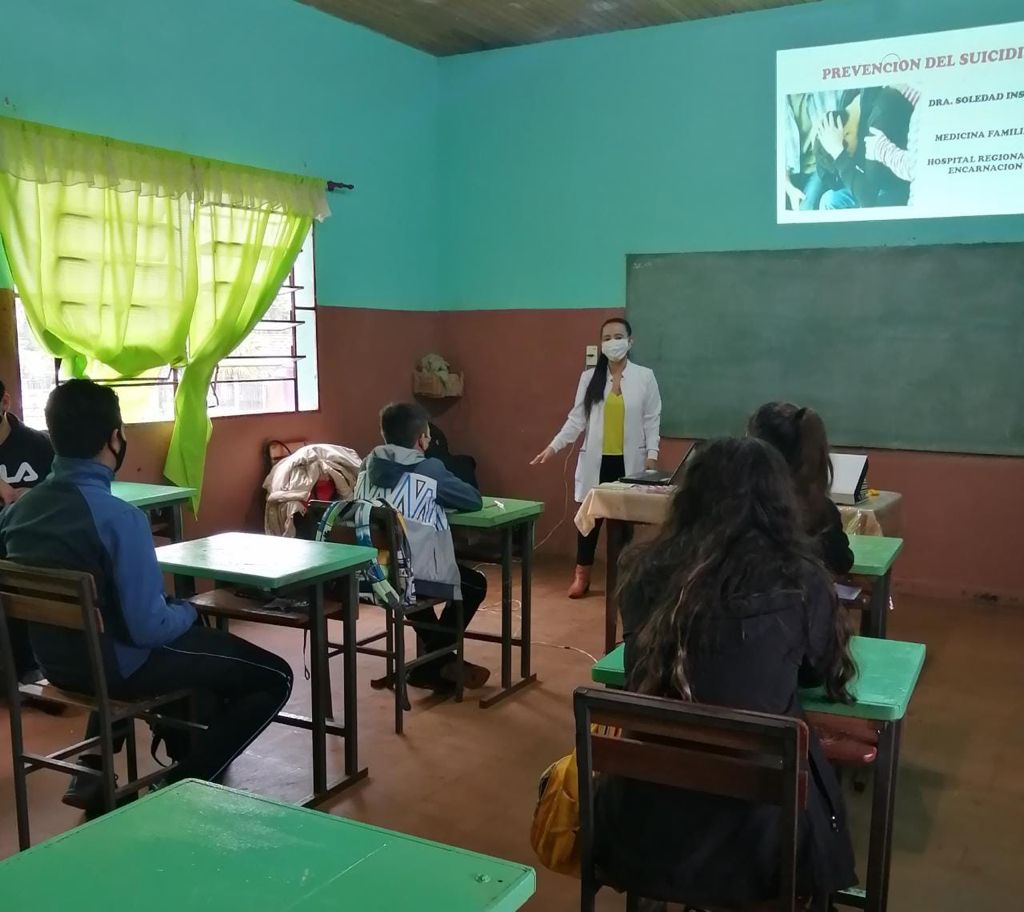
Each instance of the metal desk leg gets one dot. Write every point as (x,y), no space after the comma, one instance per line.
(882,804)
(177,528)
(616,530)
(184,587)
(320,725)
(507,639)
(506,608)
(350,697)
(318,668)
(878,616)
(526,598)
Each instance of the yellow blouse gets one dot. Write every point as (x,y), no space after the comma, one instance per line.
(614,425)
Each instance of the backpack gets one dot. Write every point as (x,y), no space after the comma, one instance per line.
(462,467)
(388,581)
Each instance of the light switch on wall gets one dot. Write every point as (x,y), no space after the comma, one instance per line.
(591,355)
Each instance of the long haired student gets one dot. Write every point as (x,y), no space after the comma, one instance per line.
(730,606)
(799,435)
(618,410)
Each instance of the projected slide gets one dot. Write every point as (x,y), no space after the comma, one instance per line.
(929,126)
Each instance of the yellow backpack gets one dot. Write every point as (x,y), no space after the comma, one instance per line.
(556,821)
(554,833)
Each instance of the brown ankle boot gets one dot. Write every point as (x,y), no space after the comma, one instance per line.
(580,583)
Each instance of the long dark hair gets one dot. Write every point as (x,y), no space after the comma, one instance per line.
(595,389)
(799,435)
(732,533)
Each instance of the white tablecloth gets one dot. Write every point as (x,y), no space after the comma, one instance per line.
(880,514)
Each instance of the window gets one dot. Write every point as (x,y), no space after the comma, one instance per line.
(273,370)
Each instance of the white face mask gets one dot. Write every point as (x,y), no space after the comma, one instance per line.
(615,349)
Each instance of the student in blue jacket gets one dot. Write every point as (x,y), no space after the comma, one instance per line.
(150,644)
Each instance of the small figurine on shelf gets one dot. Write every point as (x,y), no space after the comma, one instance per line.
(434,379)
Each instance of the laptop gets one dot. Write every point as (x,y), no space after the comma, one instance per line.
(849,475)
(657,478)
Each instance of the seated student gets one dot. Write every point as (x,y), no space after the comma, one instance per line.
(729,605)
(799,434)
(421,489)
(25,460)
(151,644)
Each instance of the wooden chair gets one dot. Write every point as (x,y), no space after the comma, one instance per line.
(66,599)
(709,749)
(384,537)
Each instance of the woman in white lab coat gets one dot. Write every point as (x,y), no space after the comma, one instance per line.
(618,409)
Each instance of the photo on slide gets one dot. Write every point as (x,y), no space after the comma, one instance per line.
(849,149)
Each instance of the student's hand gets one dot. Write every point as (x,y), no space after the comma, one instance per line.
(7,494)
(830,134)
(873,142)
(794,194)
(541,458)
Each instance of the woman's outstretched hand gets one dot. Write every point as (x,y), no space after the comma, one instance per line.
(543,457)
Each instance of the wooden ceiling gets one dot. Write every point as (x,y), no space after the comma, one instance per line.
(445,27)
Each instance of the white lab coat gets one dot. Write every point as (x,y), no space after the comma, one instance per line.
(642,426)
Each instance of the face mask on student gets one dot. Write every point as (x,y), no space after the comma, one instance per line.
(615,349)
(119,454)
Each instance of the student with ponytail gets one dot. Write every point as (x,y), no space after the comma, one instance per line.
(618,409)
(799,435)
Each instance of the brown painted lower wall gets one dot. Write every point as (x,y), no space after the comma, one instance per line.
(962,514)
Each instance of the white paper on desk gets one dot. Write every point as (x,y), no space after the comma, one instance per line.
(847,593)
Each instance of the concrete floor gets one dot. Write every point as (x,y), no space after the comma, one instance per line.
(465,776)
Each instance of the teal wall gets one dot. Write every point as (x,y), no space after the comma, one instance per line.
(270,83)
(515,178)
(560,158)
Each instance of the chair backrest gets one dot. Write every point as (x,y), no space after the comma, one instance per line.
(51,598)
(382,528)
(730,753)
(57,598)
(276,450)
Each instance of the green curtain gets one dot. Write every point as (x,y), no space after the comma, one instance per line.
(128,259)
(245,256)
(6,279)
(106,277)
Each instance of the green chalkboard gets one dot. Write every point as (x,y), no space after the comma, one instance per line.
(917,348)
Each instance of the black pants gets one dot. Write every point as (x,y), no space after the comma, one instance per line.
(474,591)
(612,469)
(241,688)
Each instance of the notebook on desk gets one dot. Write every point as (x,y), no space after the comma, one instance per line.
(657,478)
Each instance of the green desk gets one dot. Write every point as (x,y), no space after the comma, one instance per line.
(873,557)
(282,565)
(887,674)
(204,848)
(162,503)
(512,518)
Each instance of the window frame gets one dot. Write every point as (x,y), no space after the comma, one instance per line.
(171,376)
